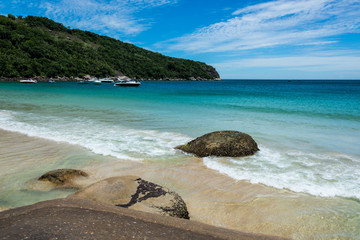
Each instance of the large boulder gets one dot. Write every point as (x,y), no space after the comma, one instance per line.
(221,144)
(85,219)
(63,177)
(135,193)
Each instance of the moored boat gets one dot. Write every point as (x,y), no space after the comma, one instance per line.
(107,80)
(28,81)
(97,82)
(92,80)
(128,83)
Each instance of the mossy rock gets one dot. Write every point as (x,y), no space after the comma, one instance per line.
(221,144)
(63,177)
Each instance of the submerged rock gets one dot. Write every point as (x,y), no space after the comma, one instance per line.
(221,144)
(63,177)
(135,193)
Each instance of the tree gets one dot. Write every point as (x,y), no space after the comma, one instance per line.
(12,17)
(39,46)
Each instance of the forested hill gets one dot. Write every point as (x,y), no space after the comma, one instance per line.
(38,46)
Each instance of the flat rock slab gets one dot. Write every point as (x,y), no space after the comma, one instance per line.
(70,219)
(221,144)
(135,193)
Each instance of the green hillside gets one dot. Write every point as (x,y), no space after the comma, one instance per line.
(38,46)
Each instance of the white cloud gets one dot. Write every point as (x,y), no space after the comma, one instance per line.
(274,23)
(111,17)
(328,64)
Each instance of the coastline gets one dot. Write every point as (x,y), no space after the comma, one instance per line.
(212,198)
(74,79)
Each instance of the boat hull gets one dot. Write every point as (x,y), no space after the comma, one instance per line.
(127,84)
(28,81)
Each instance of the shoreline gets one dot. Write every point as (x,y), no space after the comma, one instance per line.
(212,198)
(75,79)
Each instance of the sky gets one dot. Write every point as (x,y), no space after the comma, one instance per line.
(242,39)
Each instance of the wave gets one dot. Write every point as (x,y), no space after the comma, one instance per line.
(326,175)
(99,137)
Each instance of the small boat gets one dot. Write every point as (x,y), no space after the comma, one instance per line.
(28,81)
(92,80)
(97,82)
(127,83)
(106,80)
(51,81)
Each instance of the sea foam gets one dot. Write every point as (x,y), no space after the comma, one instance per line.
(101,138)
(325,175)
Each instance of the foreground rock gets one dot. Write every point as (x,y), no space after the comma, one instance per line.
(63,177)
(135,193)
(84,219)
(221,144)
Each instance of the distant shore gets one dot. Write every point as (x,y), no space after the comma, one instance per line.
(72,79)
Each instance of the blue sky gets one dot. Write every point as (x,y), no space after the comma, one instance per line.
(248,39)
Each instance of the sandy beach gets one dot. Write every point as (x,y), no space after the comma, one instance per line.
(211,198)
(241,119)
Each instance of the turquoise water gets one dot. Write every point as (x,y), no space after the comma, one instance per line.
(308,131)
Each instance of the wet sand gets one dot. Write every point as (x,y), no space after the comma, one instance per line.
(211,197)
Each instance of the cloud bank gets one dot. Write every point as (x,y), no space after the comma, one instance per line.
(111,17)
(274,23)
(320,64)
(321,61)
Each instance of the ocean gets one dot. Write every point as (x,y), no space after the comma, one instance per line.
(308,133)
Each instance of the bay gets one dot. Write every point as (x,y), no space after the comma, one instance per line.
(308,132)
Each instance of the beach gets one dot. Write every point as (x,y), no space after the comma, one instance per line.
(131,133)
(211,198)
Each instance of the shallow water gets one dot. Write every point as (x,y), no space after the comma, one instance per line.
(307,132)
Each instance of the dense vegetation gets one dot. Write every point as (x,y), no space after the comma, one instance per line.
(38,46)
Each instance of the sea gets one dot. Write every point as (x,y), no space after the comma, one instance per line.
(304,183)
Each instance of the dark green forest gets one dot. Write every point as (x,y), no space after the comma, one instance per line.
(38,46)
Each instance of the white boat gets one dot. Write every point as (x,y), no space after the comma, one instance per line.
(106,80)
(92,80)
(97,82)
(128,83)
(28,81)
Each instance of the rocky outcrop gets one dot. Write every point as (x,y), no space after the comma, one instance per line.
(84,219)
(212,71)
(63,177)
(135,193)
(221,144)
